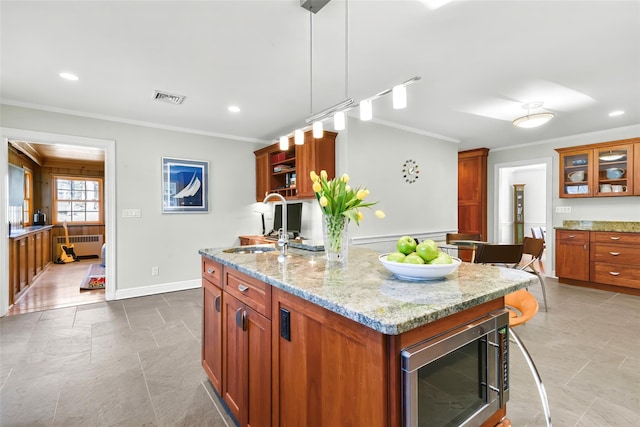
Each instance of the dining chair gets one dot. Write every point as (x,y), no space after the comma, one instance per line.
(508,255)
(534,248)
(537,233)
(522,307)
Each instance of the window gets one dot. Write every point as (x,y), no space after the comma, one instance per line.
(27,207)
(77,199)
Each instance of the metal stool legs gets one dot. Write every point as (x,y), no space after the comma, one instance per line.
(536,376)
(544,291)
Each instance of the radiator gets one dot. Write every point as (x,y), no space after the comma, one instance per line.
(83,245)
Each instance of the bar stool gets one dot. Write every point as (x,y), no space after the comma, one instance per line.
(522,306)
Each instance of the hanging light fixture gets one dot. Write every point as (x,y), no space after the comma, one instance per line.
(533,120)
(318,130)
(399,94)
(366,110)
(284,143)
(298,137)
(339,121)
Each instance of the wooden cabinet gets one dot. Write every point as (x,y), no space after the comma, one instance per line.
(615,259)
(472,194)
(600,170)
(29,256)
(254,240)
(572,254)
(287,172)
(246,381)
(212,322)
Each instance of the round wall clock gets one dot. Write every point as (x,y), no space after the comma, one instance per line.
(410,171)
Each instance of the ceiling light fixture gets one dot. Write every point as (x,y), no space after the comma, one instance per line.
(234,109)
(69,76)
(284,143)
(533,120)
(616,113)
(298,137)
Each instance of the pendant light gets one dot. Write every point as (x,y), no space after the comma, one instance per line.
(318,130)
(399,94)
(339,120)
(366,110)
(284,143)
(298,137)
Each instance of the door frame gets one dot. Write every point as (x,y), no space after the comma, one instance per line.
(549,238)
(109,147)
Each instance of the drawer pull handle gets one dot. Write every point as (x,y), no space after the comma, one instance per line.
(614,273)
(217,303)
(615,253)
(614,238)
(211,270)
(243,288)
(572,236)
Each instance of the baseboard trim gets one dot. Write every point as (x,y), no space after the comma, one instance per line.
(157,289)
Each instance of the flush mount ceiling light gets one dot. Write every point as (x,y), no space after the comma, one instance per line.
(234,109)
(532,120)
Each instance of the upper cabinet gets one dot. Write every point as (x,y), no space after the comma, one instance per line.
(287,172)
(600,170)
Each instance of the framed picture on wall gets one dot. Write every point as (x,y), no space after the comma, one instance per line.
(185,186)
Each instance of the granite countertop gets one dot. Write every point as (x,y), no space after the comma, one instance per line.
(366,292)
(615,226)
(28,230)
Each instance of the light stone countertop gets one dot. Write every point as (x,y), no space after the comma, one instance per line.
(15,233)
(366,292)
(613,226)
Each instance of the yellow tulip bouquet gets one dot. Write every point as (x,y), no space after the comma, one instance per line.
(340,204)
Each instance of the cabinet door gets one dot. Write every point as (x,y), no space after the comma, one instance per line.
(262,176)
(23,264)
(572,259)
(315,155)
(575,175)
(613,171)
(636,163)
(212,333)
(233,364)
(46,247)
(38,254)
(258,359)
(31,258)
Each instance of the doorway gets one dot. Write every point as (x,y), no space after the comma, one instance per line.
(535,174)
(108,147)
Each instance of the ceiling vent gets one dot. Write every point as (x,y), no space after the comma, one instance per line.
(171,98)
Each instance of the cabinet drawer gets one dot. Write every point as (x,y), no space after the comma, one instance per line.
(616,254)
(615,274)
(250,291)
(576,235)
(212,271)
(612,237)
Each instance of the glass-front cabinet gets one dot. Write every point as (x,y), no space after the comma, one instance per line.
(599,170)
(575,173)
(614,170)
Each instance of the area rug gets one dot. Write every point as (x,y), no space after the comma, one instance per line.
(94,279)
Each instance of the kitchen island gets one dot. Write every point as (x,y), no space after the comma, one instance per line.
(305,343)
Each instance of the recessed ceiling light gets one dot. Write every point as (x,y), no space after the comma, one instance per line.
(616,113)
(234,109)
(68,76)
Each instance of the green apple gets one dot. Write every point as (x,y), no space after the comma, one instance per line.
(396,257)
(413,258)
(406,245)
(442,258)
(427,249)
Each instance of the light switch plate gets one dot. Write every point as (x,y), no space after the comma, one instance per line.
(131,213)
(563,209)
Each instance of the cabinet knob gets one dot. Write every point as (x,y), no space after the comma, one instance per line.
(614,273)
(585,246)
(211,270)
(243,288)
(615,253)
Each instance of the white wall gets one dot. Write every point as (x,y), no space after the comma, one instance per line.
(169,241)
(596,208)
(427,207)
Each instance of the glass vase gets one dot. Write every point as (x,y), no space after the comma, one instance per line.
(336,237)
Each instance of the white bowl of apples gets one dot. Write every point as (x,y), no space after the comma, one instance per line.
(419,261)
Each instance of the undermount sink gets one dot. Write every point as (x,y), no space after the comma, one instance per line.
(249,250)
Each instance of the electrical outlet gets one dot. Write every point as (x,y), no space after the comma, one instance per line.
(563,209)
(155,271)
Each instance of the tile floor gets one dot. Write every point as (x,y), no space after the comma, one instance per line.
(136,362)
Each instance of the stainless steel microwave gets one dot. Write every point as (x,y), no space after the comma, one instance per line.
(458,378)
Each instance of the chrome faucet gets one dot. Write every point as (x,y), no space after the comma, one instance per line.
(283,236)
